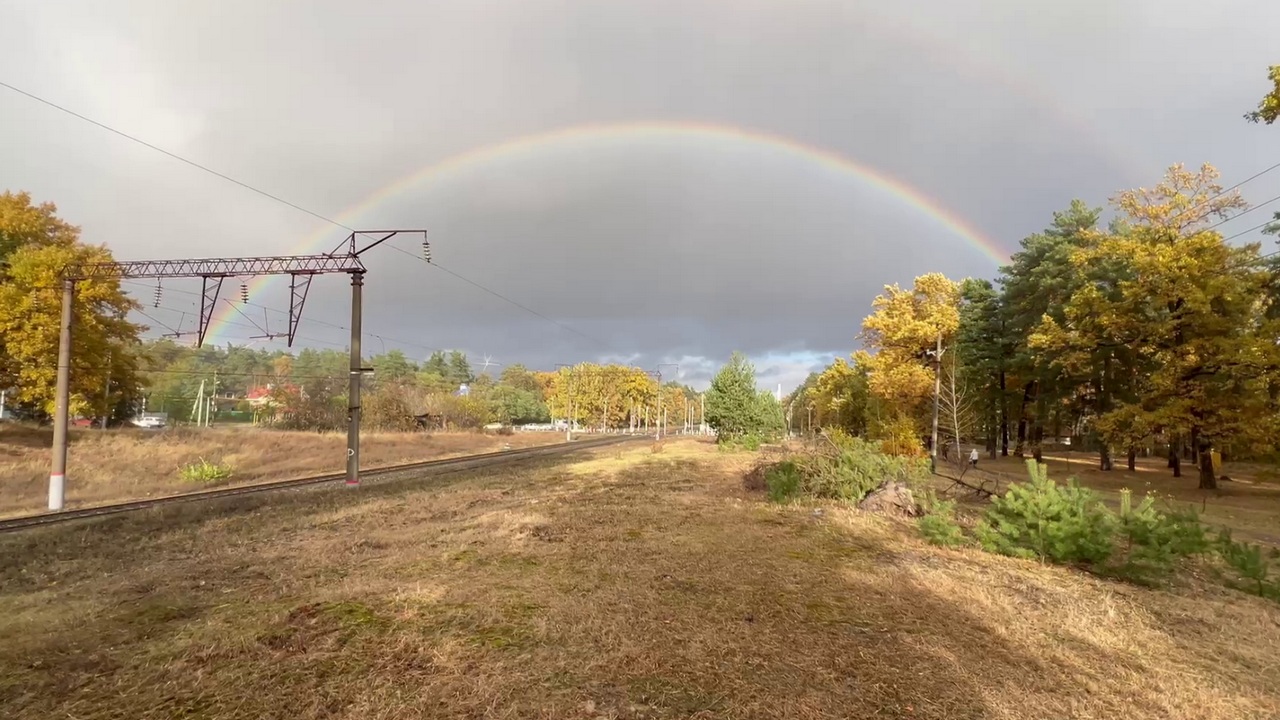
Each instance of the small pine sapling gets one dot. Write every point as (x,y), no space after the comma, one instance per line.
(1044,520)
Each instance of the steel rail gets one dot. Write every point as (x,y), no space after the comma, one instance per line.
(493,458)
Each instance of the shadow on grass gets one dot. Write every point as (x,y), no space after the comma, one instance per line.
(651,592)
(24,554)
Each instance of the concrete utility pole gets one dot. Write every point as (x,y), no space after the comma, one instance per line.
(353,382)
(58,473)
(937,391)
(106,395)
(213,402)
(197,407)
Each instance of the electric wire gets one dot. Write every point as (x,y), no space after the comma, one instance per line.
(276,198)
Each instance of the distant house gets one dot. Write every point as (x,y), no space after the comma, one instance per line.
(268,397)
(259,398)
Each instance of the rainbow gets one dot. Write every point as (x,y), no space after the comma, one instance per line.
(585,136)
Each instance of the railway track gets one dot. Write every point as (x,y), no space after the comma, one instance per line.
(451,464)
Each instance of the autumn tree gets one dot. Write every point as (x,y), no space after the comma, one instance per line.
(900,337)
(605,396)
(519,377)
(1269,107)
(35,248)
(840,396)
(1189,309)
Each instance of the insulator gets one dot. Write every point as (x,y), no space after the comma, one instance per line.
(159,291)
(244,293)
(426,249)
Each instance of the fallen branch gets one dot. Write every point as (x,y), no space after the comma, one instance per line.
(959,481)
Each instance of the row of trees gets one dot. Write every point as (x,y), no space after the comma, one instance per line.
(309,389)
(1152,330)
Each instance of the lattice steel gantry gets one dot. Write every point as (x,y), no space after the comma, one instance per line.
(301,270)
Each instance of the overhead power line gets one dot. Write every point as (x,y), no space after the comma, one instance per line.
(270,196)
(1245,212)
(162,151)
(496,294)
(1246,232)
(1238,185)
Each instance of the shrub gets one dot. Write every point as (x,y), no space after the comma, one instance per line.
(750,442)
(1151,542)
(939,524)
(847,468)
(205,471)
(1250,565)
(899,437)
(783,481)
(388,408)
(1041,519)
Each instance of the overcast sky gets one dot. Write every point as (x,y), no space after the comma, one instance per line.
(660,247)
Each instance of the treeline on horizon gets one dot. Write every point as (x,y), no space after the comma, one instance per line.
(308,390)
(1152,333)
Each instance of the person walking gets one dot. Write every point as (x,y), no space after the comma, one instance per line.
(973,458)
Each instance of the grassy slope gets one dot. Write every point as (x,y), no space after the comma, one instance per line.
(617,584)
(129,464)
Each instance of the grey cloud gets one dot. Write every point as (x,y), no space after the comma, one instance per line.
(1002,111)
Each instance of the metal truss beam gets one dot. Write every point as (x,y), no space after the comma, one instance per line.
(299,284)
(217,267)
(212,285)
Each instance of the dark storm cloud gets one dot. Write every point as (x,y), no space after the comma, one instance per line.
(661,251)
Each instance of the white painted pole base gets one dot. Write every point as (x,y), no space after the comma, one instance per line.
(57,487)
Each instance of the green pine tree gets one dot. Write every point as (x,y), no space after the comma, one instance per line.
(735,408)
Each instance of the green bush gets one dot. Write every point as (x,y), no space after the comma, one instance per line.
(750,442)
(1068,524)
(1250,565)
(939,525)
(1151,542)
(205,471)
(1041,519)
(848,468)
(783,481)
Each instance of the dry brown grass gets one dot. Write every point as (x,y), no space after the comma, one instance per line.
(120,465)
(611,585)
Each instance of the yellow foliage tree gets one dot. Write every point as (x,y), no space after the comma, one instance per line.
(105,343)
(1190,312)
(840,397)
(899,336)
(600,395)
(1269,107)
